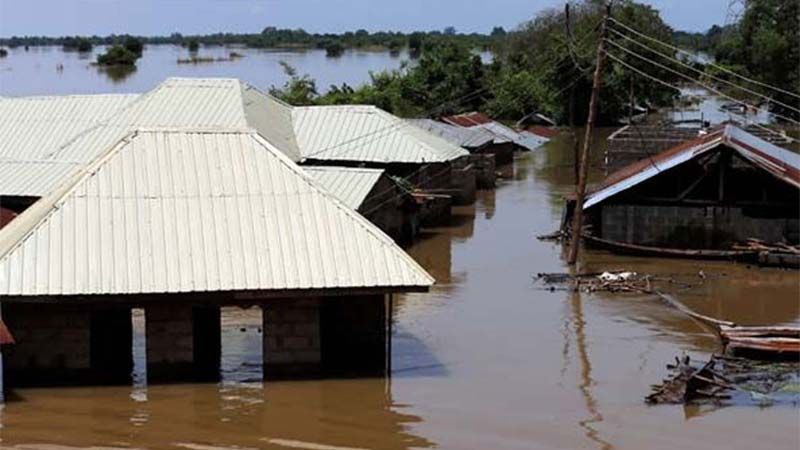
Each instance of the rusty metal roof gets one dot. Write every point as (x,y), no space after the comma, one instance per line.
(178,211)
(778,161)
(478,120)
(469,119)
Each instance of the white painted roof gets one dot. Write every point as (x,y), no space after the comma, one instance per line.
(366,134)
(177,211)
(351,185)
(217,103)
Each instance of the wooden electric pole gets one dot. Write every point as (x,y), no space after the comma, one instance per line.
(580,190)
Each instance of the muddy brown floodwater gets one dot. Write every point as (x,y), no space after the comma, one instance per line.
(487,360)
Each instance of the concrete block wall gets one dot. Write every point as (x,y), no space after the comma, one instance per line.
(292,338)
(47,337)
(169,334)
(691,227)
(485,173)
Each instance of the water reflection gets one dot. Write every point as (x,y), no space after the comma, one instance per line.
(117,74)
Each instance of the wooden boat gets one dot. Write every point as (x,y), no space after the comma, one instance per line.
(645,250)
(780,341)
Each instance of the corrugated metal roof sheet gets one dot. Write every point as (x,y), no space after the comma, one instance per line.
(367,134)
(461,136)
(32,126)
(190,211)
(351,185)
(219,103)
(524,139)
(778,161)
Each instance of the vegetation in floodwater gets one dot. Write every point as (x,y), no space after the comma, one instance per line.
(122,55)
(334,49)
(3,53)
(193,46)
(117,55)
(77,43)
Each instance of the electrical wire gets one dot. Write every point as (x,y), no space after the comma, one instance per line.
(696,81)
(702,73)
(696,56)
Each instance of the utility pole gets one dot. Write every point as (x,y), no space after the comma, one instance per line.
(575,142)
(580,190)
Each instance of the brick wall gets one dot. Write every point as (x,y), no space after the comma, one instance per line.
(292,338)
(169,334)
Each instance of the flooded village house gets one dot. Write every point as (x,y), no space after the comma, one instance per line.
(366,136)
(707,194)
(179,210)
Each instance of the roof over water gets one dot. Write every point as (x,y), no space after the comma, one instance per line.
(366,134)
(525,139)
(461,136)
(351,185)
(218,103)
(179,211)
(781,163)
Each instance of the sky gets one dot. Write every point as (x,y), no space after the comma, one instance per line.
(162,17)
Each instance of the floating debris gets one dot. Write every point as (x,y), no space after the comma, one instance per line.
(729,380)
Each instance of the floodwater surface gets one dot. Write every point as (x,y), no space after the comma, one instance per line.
(489,359)
(49,70)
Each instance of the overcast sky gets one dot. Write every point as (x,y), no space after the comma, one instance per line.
(159,17)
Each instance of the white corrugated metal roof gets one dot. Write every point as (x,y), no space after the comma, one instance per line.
(351,185)
(461,136)
(31,126)
(367,134)
(190,211)
(217,103)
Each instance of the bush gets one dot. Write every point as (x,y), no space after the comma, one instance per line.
(193,46)
(3,53)
(134,46)
(117,56)
(334,50)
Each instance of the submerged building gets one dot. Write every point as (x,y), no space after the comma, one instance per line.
(523,140)
(179,201)
(180,222)
(366,136)
(700,198)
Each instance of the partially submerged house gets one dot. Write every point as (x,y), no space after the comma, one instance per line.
(374,194)
(480,143)
(700,198)
(366,136)
(179,201)
(181,221)
(523,140)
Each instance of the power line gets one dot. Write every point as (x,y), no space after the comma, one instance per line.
(769,99)
(698,82)
(669,85)
(694,55)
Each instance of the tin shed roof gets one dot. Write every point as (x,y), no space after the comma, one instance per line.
(178,211)
(461,136)
(351,185)
(367,134)
(778,161)
(478,120)
(216,103)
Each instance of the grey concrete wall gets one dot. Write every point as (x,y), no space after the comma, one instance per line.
(58,345)
(291,336)
(485,172)
(327,336)
(691,227)
(183,342)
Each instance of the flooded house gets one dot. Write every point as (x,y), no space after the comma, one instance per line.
(522,140)
(180,201)
(373,194)
(491,155)
(366,136)
(706,197)
(180,222)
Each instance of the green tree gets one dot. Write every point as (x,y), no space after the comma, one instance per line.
(193,45)
(134,45)
(298,90)
(117,55)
